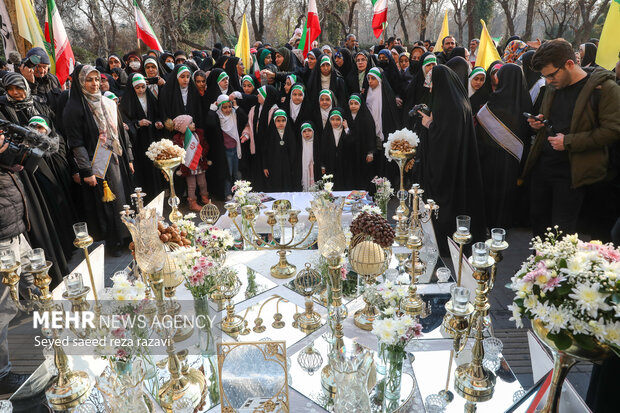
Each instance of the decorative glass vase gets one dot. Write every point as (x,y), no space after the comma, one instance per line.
(393,357)
(205,330)
(331,240)
(247,234)
(351,370)
(125,386)
(149,251)
(383,206)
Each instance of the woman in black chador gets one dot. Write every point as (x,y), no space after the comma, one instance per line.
(179,96)
(336,149)
(503,144)
(451,169)
(363,143)
(140,111)
(93,123)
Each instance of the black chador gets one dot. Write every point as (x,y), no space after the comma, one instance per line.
(280,154)
(363,143)
(336,149)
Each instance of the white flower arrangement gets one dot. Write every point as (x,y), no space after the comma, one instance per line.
(396,331)
(125,290)
(387,297)
(243,195)
(188,226)
(157,150)
(210,235)
(573,287)
(323,188)
(371,209)
(403,135)
(184,258)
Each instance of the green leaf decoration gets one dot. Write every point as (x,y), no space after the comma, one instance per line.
(561,340)
(585,341)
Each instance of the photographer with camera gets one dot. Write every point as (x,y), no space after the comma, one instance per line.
(13,225)
(582,107)
(41,82)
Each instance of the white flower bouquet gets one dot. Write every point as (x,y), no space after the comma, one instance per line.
(387,297)
(243,195)
(403,140)
(207,236)
(164,149)
(323,188)
(573,288)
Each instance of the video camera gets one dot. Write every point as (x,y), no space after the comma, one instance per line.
(26,147)
(31,61)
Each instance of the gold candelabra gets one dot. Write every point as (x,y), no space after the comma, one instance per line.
(228,285)
(401,158)
(413,305)
(462,236)
(70,388)
(168,166)
(472,381)
(280,214)
(418,216)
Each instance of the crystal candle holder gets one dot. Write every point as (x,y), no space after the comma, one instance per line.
(463,223)
(460,299)
(498,235)
(37,258)
(443,274)
(435,403)
(480,253)
(7,258)
(74,283)
(81,230)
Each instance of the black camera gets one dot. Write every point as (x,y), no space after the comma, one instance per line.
(152,80)
(422,108)
(26,147)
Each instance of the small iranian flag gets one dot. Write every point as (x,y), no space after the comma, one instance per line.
(145,31)
(193,150)
(379,16)
(59,47)
(312,29)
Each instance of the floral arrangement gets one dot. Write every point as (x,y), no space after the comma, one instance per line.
(184,258)
(129,301)
(371,209)
(573,287)
(164,149)
(383,193)
(387,297)
(210,235)
(202,276)
(323,188)
(243,195)
(401,140)
(396,331)
(186,225)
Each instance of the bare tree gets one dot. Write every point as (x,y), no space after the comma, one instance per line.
(529,18)
(258,21)
(460,17)
(590,11)
(91,10)
(556,16)
(425,8)
(510,11)
(403,26)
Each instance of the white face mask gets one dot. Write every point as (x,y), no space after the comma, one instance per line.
(134,65)
(170,65)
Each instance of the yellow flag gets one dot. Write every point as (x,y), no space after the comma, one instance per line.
(445,31)
(28,24)
(242,49)
(609,46)
(487,52)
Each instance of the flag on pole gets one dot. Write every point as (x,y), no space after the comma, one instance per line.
(242,49)
(193,150)
(56,37)
(379,16)
(487,52)
(609,46)
(311,30)
(145,31)
(445,31)
(28,25)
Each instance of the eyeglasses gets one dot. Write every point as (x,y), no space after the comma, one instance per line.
(552,75)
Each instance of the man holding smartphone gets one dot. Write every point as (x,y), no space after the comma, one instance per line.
(584,110)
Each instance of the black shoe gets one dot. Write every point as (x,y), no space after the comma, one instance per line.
(11,382)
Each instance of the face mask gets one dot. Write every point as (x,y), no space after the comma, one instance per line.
(134,65)
(170,65)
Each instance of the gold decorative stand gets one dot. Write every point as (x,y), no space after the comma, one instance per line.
(401,158)
(413,305)
(168,166)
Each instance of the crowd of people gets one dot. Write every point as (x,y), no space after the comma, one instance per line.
(524,141)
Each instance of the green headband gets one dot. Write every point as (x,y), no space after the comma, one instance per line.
(37,120)
(278,113)
(293,78)
(335,113)
(138,79)
(222,76)
(326,59)
(219,105)
(307,126)
(375,72)
(327,92)
(182,69)
(110,95)
(249,79)
(478,71)
(298,87)
(428,60)
(355,98)
(263,91)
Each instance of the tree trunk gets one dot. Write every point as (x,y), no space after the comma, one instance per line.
(471,28)
(529,17)
(423,17)
(98,21)
(402,21)
(505,4)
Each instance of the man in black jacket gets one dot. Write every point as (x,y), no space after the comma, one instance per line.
(12,229)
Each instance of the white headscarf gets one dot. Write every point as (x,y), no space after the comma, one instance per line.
(307,161)
(374,101)
(228,124)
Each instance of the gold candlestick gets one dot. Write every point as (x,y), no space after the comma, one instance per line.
(401,158)
(413,305)
(168,166)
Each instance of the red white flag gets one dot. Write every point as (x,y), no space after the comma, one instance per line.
(59,47)
(379,16)
(312,29)
(145,31)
